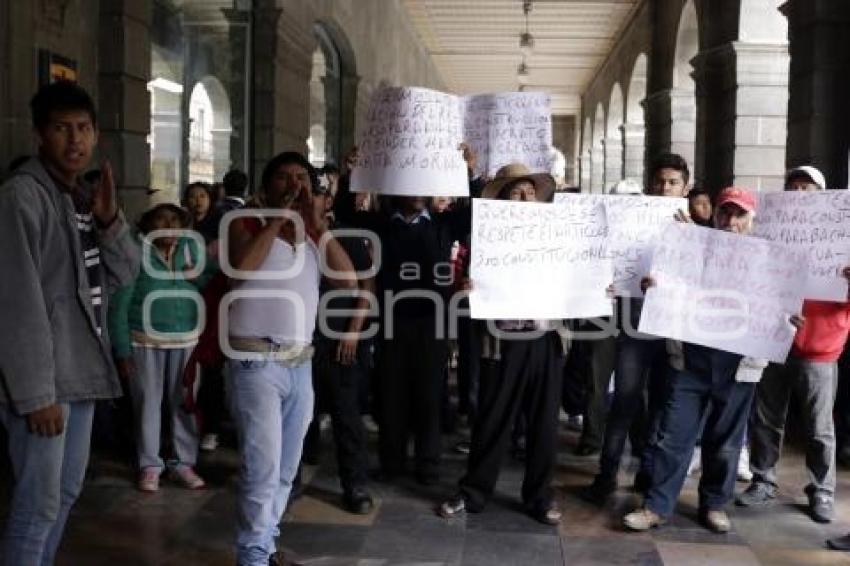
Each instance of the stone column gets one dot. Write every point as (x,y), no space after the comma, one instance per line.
(634,137)
(818,111)
(124,112)
(266,16)
(671,123)
(613,161)
(743,110)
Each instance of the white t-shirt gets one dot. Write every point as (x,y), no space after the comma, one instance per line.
(290,317)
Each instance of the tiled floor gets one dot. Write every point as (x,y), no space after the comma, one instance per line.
(115,525)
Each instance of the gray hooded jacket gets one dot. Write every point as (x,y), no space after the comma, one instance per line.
(49,348)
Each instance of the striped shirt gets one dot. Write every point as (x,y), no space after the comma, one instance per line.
(91,254)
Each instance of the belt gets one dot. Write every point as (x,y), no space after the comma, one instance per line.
(287,354)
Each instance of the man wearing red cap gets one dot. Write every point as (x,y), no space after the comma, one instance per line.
(811,372)
(711,386)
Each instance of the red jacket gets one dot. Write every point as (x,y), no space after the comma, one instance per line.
(822,336)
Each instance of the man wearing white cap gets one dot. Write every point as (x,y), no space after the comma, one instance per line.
(811,372)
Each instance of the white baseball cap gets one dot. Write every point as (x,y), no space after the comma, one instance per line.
(812,173)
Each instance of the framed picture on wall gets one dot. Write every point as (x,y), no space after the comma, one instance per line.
(53,67)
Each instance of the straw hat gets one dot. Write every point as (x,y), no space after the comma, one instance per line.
(544,184)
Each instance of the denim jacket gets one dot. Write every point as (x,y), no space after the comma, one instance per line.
(50,351)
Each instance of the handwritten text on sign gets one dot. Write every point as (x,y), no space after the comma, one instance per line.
(538,261)
(722,290)
(508,128)
(634,222)
(817,223)
(409,145)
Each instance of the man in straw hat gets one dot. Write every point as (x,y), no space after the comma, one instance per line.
(527,378)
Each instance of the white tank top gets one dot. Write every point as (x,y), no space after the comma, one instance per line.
(289,317)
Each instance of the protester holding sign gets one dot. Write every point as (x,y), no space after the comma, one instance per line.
(528,379)
(811,373)
(641,361)
(711,386)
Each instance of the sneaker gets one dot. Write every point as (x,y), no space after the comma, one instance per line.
(643,520)
(358,501)
(451,508)
(149,480)
(759,494)
(695,466)
(716,521)
(463,447)
(187,477)
(547,514)
(821,508)
(209,442)
(744,473)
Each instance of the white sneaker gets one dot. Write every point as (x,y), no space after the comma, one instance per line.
(695,466)
(209,442)
(744,473)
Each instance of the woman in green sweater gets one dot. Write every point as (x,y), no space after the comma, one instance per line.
(154,323)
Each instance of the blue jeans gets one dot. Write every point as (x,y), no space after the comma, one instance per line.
(706,388)
(642,366)
(271,406)
(49,473)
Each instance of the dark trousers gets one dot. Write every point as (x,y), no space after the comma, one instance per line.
(574,388)
(410,376)
(639,383)
(599,358)
(211,400)
(706,388)
(338,389)
(527,380)
(468,365)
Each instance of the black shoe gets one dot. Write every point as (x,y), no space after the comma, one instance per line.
(427,478)
(358,501)
(839,543)
(600,490)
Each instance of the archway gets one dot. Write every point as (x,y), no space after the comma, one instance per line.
(613,138)
(683,103)
(634,130)
(333,93)
(166,132)
(209,131)
(597,152)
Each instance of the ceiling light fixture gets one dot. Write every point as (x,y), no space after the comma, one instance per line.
(522,73)
(526,40)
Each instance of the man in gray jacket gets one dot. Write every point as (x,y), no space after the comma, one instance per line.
(65,246)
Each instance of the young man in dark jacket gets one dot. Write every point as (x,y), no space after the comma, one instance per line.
(65,246)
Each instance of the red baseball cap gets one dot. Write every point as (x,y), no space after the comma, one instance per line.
(744,198)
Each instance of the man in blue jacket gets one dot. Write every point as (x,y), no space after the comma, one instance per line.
(65,246)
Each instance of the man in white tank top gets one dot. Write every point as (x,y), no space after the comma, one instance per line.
(270,325)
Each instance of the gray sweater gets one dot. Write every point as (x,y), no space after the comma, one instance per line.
(50,351)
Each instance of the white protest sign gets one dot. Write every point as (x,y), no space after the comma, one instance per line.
(726,291)
(634,222)
(409,146)
(410,143)
(510,127)
(538,261)
(817,223)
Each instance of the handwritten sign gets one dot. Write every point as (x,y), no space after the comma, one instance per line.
(817,223)
(409,145)
(634,222)
(508,128)
(538,261)
(723,290)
